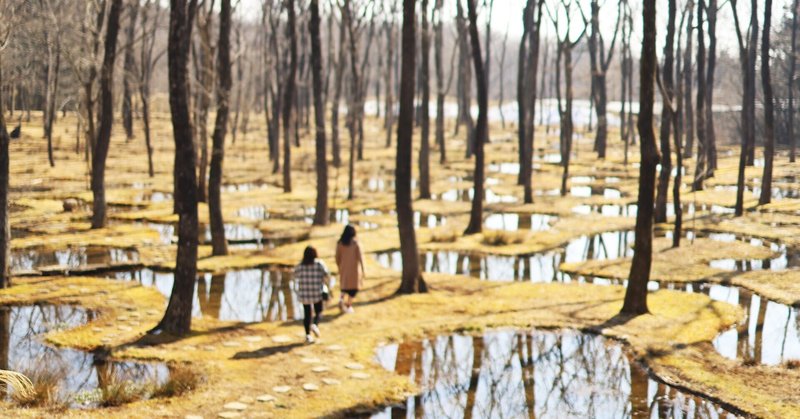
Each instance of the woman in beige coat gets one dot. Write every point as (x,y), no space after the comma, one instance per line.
(351,268)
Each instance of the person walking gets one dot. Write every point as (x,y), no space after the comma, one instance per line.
(311,278)
(351,268)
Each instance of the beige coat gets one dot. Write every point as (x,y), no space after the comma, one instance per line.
(349,260)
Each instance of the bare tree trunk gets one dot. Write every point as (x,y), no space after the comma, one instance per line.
(522,88)
(667,75)
(791,83)
(636,293)
(53,69)
(218,243)
(424,109)
(688,115)
(526,165)
(440,87)
(106,117)
(711,136)
(5,229)
(178,316)
(501,80)
(700,171)
(288,98)
(769,109)
(479,139)
(337,97)
(599,64)
(388,83)
(204,70)
(321,213)
(127,80)
(146,64)
(747,56)
(412,281)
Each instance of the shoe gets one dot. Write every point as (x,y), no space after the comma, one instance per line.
(349,310)
(309,339)
(315,330)
(341,305)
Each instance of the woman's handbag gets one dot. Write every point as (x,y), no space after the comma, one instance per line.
(326,295)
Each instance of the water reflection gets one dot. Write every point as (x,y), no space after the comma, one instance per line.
(77,372)
(539,374)
(32,258)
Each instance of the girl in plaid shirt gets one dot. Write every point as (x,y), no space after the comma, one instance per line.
(310,276)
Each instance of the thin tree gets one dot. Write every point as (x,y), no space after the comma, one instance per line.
(636,293)
(338,80)
(412,281)
(501,65)
(321,213)
(667,77)
(522,102)
(711,66)
(204,87)
(218,243)
(424,108)
(769,108)
(128,79)
(5,229)
(178,316)
(289,97)
(388,84)
(441,87)
(702,155)
(147,63)
(532,65)
(791,83)
(481,129)
(688,114)
(747,57)
(599,62)
(103,141)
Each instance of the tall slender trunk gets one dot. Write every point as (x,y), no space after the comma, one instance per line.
(700,170)
(337,98)
(748,58)
(791,83)
(711,136)
(440,88)
(103,141)
(288,98)
(769,112)
(526,165)
(53,69)
(127,80)
(5,229)
(321,213)
(522,88)
(636,294)
(412,281)
(218,243)
(688,114)
(481,129)
(667,76)
(178,316)
(389,84)
(424,109)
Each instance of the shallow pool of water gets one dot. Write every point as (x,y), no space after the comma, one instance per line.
(558,374)
(33,258)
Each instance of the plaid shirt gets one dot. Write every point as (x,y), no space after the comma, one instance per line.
(309,280)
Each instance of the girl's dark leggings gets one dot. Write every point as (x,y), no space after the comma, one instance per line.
(307,315)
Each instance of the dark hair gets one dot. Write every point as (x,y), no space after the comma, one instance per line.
(309,256)
(347,235)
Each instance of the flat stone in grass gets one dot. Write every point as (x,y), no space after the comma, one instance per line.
(246,400)
(359,375)
(252,339)
(334,348)
(208,348)
(190,348)
(235,406)
(192,417)
(331,381)
(231,344)
(354,366)
(281,339)
(281,389)
(124,328)
(310,360)
(97,329)
(320,368)
(310,387)
(265,398)
(122,318)
(152,312)
(229,415)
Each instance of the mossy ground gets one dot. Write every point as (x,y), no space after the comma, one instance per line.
(243,361)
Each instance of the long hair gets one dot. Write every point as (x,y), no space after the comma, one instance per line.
(309,256)
(347,235)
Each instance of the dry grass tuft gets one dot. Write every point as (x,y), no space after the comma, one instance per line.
(792,364)
(444,235)
(502,237)
(182,379)
(43,390)
(22,385)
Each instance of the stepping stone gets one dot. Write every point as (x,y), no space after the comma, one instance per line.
(246,400)
(354,366)
(265,398)
(229,415)
(208,348)
(252,338)
(310,387)
(190,348)
(334,348)
(122,318)
(235,406)
(105,340)
(151,312)
(359,375)
(84,290)
(320,368)
(124,328)
(97,329)
(310,360)
(231,344)
(281,389)
(135,315)
(192,417)
(281,339)
(331,381)
(134,323)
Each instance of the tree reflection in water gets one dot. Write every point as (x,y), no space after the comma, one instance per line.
(505,374)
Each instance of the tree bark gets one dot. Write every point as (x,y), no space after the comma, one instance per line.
(700,170)
(5,229)
(791,83)
(711,136)
(667,75)
(321,213)
(747,54)
(440,87)
(288,98)
(688,114)
(337,98)
(219,244)
(412,281)
(127,80)
(178,316)
(424,108)
(103,141)
(769,109)
(479,139)
(636,294)
(526,165)
(522,109)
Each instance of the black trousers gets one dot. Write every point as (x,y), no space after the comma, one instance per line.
(307,315)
